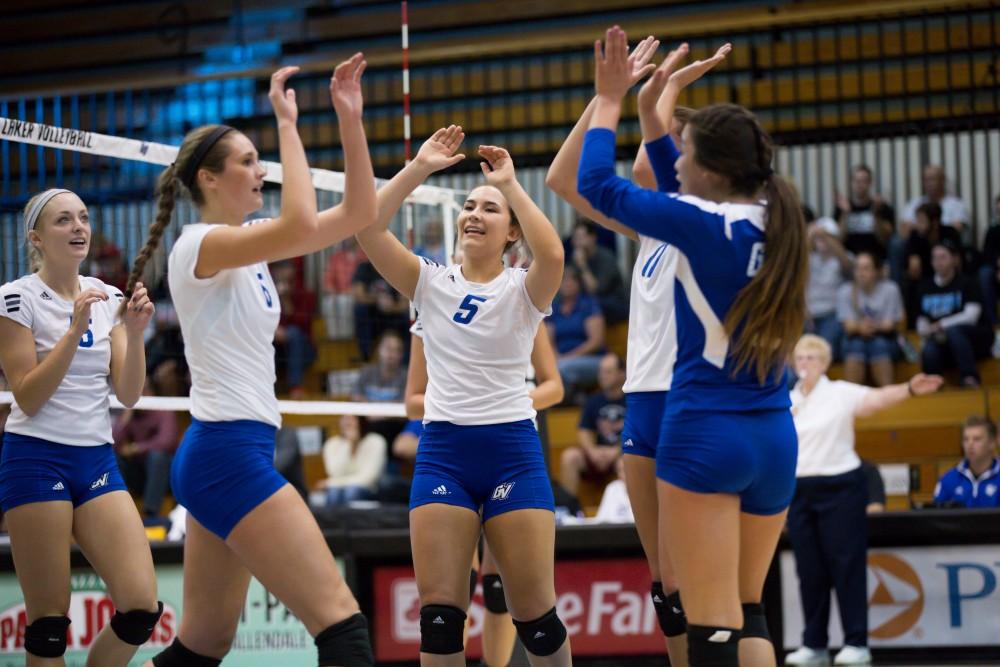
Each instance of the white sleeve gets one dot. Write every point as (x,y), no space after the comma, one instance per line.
(417,329)
(16,304)
(852,395)
(115,298)
(520,277)
(184,256)
(428,270)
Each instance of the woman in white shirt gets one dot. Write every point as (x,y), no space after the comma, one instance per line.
(827,524)
(354,461)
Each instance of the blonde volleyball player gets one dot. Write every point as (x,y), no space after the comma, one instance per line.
(479,450)
(64,349)
(243,517)
(545,389)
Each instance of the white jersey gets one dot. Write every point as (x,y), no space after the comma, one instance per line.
(477,340)
(228,322)
(78,411)
(652,327)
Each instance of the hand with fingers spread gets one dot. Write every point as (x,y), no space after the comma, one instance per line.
(438,152)
(612,76)
(139,312)
(684,77)
(81,309)
(282,100)
(345,86)
(638,60)
(650,92)
(498,166)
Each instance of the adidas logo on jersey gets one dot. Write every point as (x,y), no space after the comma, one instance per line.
(45,295)
(502,491)
(99,482)
(441,491)
(58,486)
(629,443)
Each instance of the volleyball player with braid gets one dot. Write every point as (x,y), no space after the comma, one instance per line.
(726,460)
(68,340)
(243,518)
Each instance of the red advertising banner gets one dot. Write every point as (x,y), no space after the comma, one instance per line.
(605,605)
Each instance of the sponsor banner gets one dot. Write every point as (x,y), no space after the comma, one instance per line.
(268,633)
(605,605)
(917,596)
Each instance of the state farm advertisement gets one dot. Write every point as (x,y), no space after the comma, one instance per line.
(605,605)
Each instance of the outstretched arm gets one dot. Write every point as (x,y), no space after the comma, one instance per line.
(886,397)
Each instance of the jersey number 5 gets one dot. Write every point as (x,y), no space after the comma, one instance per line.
(88,338)
(468,309)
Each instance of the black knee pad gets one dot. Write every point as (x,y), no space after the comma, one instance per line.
(46,637)
(441,629)
(136,627)
(755,621)
(346,644)
(542,636)
(473,580)
(179,655)
(493,594)
(669,611)
(712,646)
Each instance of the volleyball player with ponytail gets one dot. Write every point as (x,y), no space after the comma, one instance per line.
(243,518)
(66,344)
(726,462)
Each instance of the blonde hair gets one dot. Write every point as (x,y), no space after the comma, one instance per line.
(816,344)
(35,257)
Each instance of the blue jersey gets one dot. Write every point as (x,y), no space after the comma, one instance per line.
(960,485)
(721,248)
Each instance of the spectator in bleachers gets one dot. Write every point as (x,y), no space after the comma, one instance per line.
(431,243)
(855,213)
(145,442)
(577,329)
(989,272)
(354,461)
(827,523)
(829,266)
(870,310)
(951,320)
(599,272)
(384,381)
(338,288)
(928,231)
(599,434)
(293,337)
(975,482)
(107,262)
(377,308)
(954,211)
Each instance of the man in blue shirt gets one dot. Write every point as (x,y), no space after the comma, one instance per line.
(975,482)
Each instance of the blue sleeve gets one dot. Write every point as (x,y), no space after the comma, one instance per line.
(662,155)
(693,230)
(945,489)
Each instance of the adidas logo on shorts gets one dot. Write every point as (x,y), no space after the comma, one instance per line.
(58,486)
(441,491)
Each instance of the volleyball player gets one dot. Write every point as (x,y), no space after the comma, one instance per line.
(64,349)
(479,450)
(243,517)
(545,389)
(652,335)
(726,472)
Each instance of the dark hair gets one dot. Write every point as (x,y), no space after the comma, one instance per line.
(768,314)
(167,187)
(948,245)
(863,167)
(683,116)
(571,271)
(876,259)
(885,212)
(976,421)
(586,225)
(931,211)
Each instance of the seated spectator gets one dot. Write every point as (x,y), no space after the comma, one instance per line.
(384,381)
(377,308)
(145,442)
(876,488)
(599,435)
(954,211)
(870,310)
(338,296)
(108,264)
(577,329)
(293,337)
(975,482)
(288,458)
(615,506)
(927,232)
(855,214)
(431,243)
(354,461)
(599,272)
(989,272)
(951,321)
(829,265)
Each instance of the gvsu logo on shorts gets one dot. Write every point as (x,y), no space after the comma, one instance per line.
(502,491)
(99,482)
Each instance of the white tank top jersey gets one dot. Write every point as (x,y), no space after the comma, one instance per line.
(652,327)
(478,340)
(228,323)
(78,412)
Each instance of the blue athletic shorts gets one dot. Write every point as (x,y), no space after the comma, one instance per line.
(751,454)
(33,470)
(643,419)
(222,470)
(494,467)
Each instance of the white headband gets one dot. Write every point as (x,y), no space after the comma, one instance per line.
(31,216)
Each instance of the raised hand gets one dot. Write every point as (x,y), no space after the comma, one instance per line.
(612,76)
(638,60)
(81,309)
(651,90)
(283,101)
(438,152)
(498,166)
(345,86)
(922,384)
(688,75)
(139,312)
